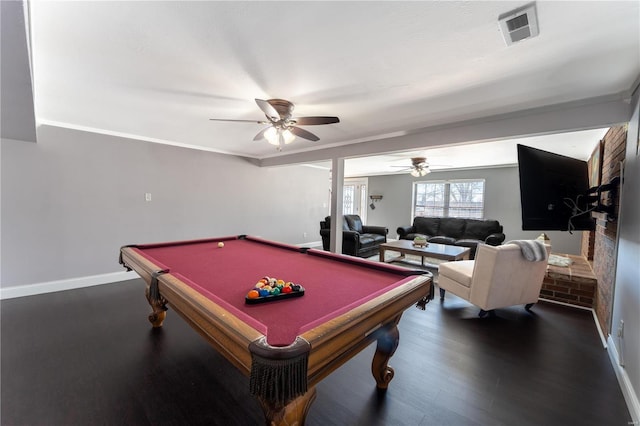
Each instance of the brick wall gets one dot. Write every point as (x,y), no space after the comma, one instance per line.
(588,244)
(575,284)
(604,237)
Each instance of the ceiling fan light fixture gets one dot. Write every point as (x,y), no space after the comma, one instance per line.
(419,167)
(284,128)
(288,136)
(271,135)
(420,171)
(279,136)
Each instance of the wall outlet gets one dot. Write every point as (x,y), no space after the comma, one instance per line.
(621,329)
(147,196)
(304,235)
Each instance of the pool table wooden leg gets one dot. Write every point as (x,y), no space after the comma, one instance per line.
(387,345)
(292,414)
(156,318)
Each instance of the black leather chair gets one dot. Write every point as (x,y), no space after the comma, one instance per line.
(357,239)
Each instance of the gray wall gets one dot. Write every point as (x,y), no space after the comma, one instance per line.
(627,289)
(71,200)
(16,103)
(502,202)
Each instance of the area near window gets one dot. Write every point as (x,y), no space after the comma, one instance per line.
(354,197)
(452,198)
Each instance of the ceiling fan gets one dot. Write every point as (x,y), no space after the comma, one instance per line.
(282,127)
(419,167)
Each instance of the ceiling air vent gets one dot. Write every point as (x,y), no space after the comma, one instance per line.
(519,24)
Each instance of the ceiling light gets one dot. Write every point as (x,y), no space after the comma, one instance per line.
(271,135)
(287,136)
(284,128)
(419,171)
(279,136)
(419,167)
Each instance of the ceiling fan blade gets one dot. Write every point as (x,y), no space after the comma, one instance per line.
(260,134)
(304,134)
(268,109)
(240,121)
(310,121)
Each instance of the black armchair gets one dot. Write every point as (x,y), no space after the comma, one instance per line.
(357,239)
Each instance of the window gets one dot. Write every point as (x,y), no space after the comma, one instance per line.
(348,198)
(354,197)
(455,198)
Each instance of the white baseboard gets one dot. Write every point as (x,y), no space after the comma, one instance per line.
(68,284)
(600,332)
(310,244)
(603,339)
(626,387)
(633,404)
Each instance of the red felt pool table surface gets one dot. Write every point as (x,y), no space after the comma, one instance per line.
(225,275)
(285,346)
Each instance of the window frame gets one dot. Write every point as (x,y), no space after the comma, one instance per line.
(447,195)
(361,188)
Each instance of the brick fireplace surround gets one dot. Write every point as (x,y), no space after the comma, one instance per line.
(575,284)
(589,281)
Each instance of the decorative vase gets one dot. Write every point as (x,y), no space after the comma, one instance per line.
(419,241)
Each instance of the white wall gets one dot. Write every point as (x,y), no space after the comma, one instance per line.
(626,303)
(502,203)
(72,199)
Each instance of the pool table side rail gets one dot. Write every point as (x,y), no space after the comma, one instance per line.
(185,242)
(371,264)
(338,340)
(225,332)
(229,335)
(132,259)
(219,240)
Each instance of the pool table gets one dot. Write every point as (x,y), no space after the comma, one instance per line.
(285,346)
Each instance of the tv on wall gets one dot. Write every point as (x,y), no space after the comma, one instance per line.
(553,191)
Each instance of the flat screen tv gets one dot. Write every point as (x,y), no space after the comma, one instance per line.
(553,191)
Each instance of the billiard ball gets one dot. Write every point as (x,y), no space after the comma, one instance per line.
(220,244)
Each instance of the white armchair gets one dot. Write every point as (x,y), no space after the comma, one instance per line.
(499,276)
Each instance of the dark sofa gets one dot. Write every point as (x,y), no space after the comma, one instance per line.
(455,231)
(357,239)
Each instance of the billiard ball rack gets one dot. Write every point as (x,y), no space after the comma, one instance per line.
(274,297)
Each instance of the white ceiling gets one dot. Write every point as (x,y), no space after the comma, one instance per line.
(579,144)
(158,70)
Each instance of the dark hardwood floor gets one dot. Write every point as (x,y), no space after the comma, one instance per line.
(90,357)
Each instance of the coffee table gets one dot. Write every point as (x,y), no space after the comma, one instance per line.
(435,251)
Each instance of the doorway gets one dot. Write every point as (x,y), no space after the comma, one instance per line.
(354,197)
